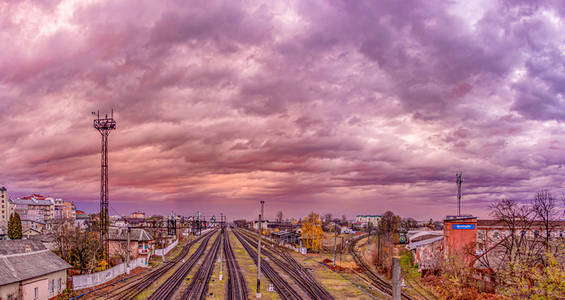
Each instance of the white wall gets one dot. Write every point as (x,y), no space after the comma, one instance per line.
(166,250)
(89,280)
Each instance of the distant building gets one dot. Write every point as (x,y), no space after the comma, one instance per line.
(137,215)
(30,271)
(264,224)
(41,209)
(4,206)
(141,242)
(365,219)
(32,227)
(34,207)
(81,220)
(467,237)
(69,210)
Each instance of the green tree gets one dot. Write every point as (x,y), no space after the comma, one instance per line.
(15,227)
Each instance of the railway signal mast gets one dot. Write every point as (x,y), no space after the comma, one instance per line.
(104,126)
(459,181)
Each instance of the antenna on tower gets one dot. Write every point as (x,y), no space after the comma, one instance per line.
(459,181)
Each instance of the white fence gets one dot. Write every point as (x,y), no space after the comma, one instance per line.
(169,248)
(89,280)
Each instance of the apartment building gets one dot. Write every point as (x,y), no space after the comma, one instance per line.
(4,206)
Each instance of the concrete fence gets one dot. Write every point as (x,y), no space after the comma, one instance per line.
(90,280)
(164,251)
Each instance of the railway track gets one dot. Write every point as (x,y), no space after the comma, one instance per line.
(296,271)
(168,288)
(237,285)
(138,285)
(198,287)
(284,290)
(375,280)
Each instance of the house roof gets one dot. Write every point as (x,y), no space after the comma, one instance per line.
(417,244)
(137,234)
(17,264)
(33,201)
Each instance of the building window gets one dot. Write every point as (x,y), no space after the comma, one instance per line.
(59,284)
(51,286)
(35,292)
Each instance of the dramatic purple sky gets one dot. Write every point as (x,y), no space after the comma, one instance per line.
(333,106)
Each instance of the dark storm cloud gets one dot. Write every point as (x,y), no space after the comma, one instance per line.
(372,104)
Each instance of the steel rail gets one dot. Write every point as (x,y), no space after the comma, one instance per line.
(282,287)
(171,284)
(237,285)
(287,263)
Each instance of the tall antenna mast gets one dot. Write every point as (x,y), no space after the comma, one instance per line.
(104,126)
(459,181)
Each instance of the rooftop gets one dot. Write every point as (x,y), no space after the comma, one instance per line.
(17,264)
(137,234)
(501,223)
(31,201)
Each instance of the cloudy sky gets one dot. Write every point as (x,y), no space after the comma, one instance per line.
(333,106)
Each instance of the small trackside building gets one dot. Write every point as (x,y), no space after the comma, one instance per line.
(460,235)
(28,270)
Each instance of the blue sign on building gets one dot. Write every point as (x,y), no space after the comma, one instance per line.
(463,226)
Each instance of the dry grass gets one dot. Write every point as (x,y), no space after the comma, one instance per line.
(249,270)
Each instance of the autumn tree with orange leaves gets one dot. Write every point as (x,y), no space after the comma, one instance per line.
(312,233)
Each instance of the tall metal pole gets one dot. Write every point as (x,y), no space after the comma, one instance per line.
(221,252)
(104,126)
(199,225)
(335,242)
(128,246)
(259,251)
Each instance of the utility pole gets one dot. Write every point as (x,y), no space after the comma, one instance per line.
(221,252)
(335,242)
(459,181)
(104,126)
(259,251)
(368,238)
(379,248)
(396,272)
(199,225)
(340,251)
(128,246)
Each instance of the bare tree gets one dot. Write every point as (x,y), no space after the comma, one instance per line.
(344,220)
(328,218)
(544,209)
